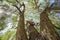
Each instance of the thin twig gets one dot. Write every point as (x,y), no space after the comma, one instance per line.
(18,2)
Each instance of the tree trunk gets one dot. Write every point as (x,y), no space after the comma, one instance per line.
(33,33)
(47,28)
(21,33)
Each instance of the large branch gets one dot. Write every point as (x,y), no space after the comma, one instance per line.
(17,8)
(20,5)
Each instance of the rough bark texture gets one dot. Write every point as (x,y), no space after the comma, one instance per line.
(47,28)
(21,34)
(33,33)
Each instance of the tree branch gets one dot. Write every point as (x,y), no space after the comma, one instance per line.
(18,2)
(48,8)
(24,7)
(17,8)
(20,6)
(37,6)
(51,5)
(35,2)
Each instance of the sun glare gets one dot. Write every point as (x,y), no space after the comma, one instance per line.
(1,10)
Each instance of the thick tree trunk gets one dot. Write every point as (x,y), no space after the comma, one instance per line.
(47,28)
(21,33)
(33,33)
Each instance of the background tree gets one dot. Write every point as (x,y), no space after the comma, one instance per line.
(46,26)
(33,33)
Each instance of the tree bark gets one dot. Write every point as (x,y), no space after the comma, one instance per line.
(47,28)
(21,33)
(33,33)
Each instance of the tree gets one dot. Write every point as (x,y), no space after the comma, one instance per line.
(33,33)
(21,33)
(47,28)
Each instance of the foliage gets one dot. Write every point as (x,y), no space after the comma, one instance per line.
(2,22)
(7,35)
(30,13)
